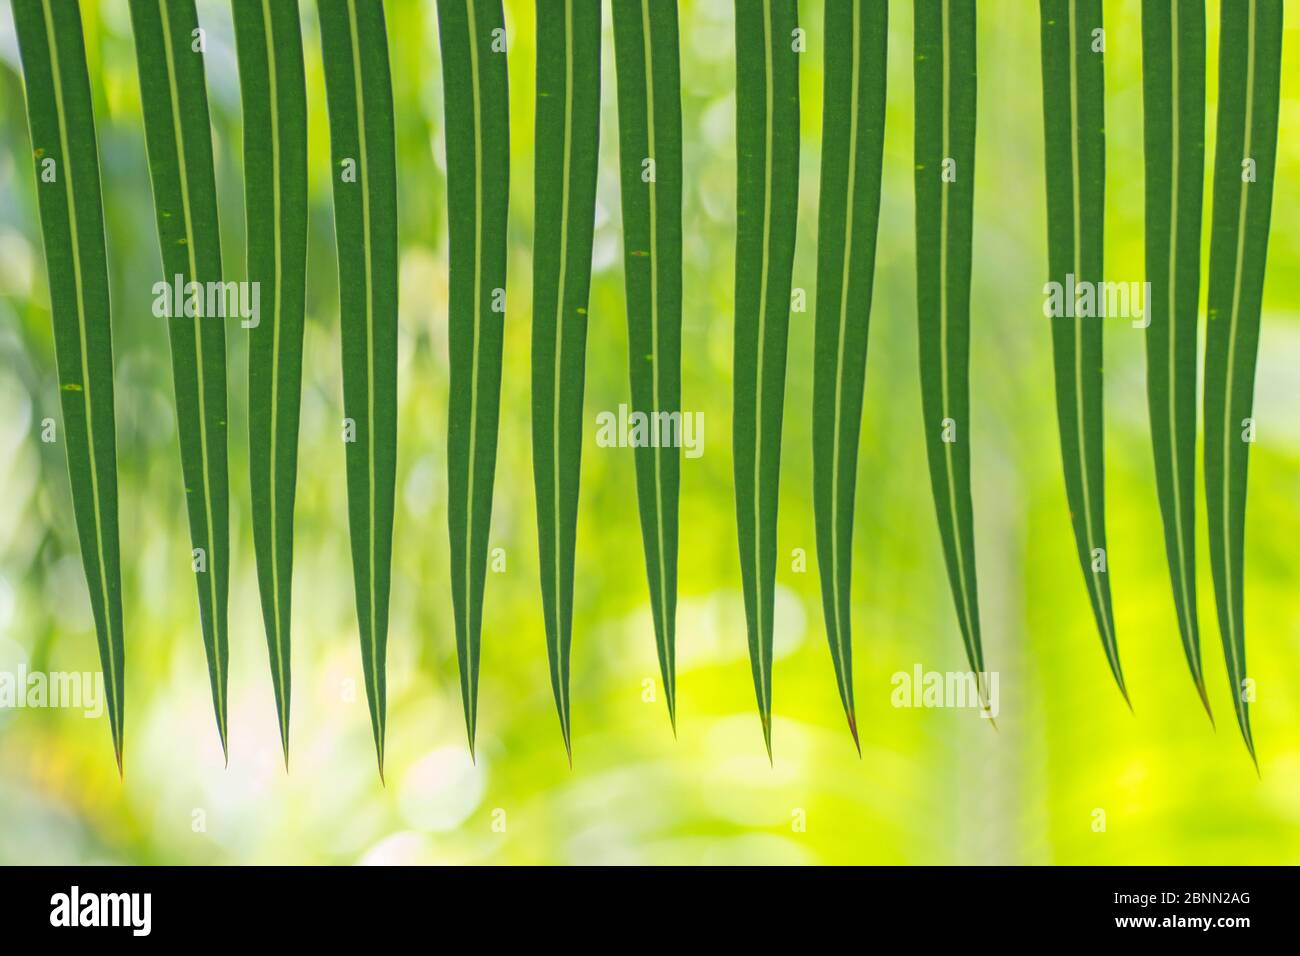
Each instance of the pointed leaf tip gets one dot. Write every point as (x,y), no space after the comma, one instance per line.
(853,729)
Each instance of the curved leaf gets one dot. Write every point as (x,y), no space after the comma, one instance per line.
(567,138)
(359,92)
(472,36)
(767,202)
(60,113)
(1250,63)
(1173,93)
(272,86)
(853,136)
(169,53)
(945,197)
(650,176)
(1074,118)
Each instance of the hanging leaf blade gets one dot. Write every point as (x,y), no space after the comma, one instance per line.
(945,199)
(646,56)
(567,145)
(169,54)
(853,135)
(359,95)
(475,95)
(1250,64)
(61,118)
(767,200)
(1074,118)
(1173,84)
(274,97)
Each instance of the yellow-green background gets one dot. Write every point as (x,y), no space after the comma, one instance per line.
(932,786)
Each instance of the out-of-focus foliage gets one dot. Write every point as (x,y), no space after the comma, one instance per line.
(932,786)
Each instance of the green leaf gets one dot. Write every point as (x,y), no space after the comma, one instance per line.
(273,90)
(853,135)
(60,113)
(945,195)
(1250,63)
(1173,93)
(472,36)
(767,201)
(1074,119)
(169,52)
(359,93)
(650,177)
(567,138)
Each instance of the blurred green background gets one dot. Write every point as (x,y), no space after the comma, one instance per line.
(932,786)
